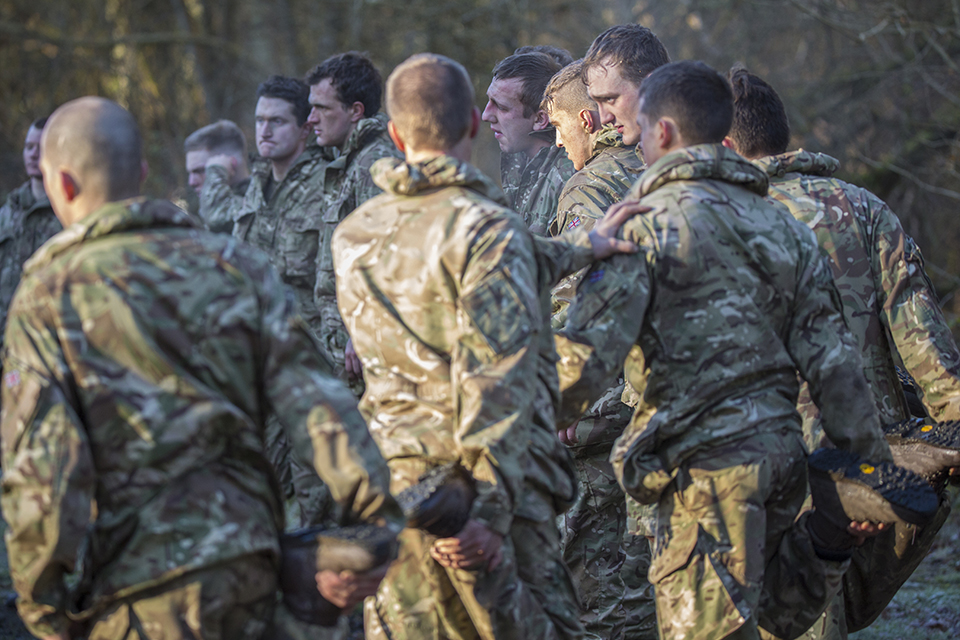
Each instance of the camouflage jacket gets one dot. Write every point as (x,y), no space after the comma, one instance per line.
(288,227)
(347,184)
(533,185)
(888,301)
(604,180)
(726,301)
(221,202)
(447,304)
(25,224)
(143,356)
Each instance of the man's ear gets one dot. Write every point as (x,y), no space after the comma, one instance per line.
(541,121)
(69,186)
(667,133)
(589,120)
(474,122)
(356,111)
(395,136)
(728,143)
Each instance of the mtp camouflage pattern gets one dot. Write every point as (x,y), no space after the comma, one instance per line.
(143,357)
(601,553)
(25,224)
(221,202)
(889,305)
(533,185)
(726,301)
(346,183)
(447,304)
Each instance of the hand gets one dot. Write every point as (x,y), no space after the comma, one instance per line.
(568,436)
(227,162)
(63,635)
(603,236)
(346,589)
(473,546)
(863,530)
(351,361)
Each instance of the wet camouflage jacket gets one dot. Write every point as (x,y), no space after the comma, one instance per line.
(533,185)
(25,224)
(604,180)
(888,301)
(220,202)
(726,301)
(143,356)
(446,303)
(346,185)
(288,226)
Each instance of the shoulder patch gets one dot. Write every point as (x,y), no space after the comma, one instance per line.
(12,379)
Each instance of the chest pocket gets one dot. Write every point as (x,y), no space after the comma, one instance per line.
(298,241)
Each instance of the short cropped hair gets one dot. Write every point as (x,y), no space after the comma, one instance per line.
(634,48)
(430,101)
(294,91)
(355,79)
(760,125)
(39,123)
(223,136)
(697,98)
(562,56)
(566,91)
(534,70)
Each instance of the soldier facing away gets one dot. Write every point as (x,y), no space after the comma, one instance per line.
(608,562)
(26,220)
(143,356)
(447,304)
(345,95)
(532,169)
(726,301)
(891,309)
(217,169)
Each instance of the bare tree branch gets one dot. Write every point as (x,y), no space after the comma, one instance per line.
(900,171)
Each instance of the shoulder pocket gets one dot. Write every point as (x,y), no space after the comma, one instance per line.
(501,308)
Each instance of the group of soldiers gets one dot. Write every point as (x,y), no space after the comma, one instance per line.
(664,356)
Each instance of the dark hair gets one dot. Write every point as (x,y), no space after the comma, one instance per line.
(39,123)
(355,79)
(760,126)
(223,136)
(694,95)
(294,91)
(632,47)
(562,56)
(430,101)
(534,70)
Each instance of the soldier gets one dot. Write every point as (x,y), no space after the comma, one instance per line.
(727,299)
(282,215)
(345,96)
(26,221)
(447,305)
(890,307)
(594,537)
(532,169)
(615,65)
(562,56)
(217,170)
(143,354)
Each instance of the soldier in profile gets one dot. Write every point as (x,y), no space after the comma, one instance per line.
(218,171)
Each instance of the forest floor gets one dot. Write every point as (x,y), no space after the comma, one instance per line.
(926,608)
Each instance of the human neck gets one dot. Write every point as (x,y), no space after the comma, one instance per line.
(282,167)
(36,186)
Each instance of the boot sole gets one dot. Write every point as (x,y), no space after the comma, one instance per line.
(870,493)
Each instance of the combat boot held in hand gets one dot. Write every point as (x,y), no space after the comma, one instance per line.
(929,449)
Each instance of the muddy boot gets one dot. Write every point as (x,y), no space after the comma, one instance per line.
(440,502)
(306,552)
(846,489)
(929,449)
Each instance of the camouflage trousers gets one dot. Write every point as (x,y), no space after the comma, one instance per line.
(877,571)
(731,554)
(609,564)
(528,595)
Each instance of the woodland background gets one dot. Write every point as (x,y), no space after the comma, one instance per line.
(875,83)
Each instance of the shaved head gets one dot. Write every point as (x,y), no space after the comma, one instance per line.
(97,143)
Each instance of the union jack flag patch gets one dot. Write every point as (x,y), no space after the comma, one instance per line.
(573,224)
(12,379)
